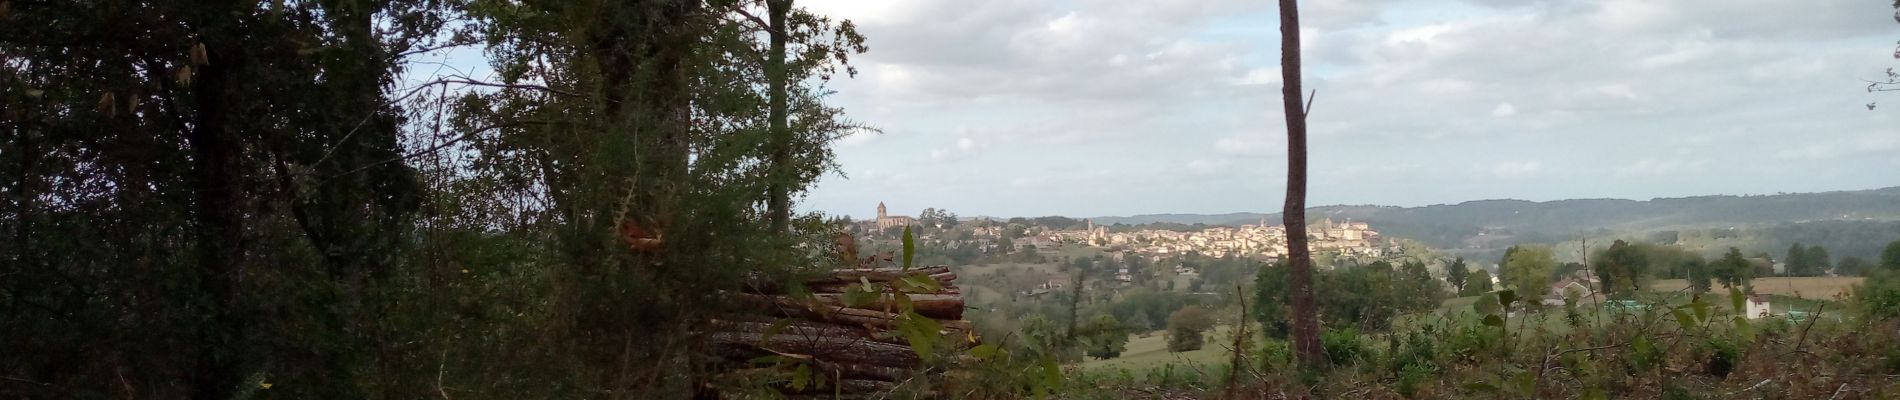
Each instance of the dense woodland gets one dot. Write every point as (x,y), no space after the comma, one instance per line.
(209,198)
(298,199)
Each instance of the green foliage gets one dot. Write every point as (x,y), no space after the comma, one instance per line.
(1456,273)
(1733,270)
(1103,337)
(1187,328)
(1480,282)
(1890,256)
(1342,346)
(1623,270)
(1527,268)
(1271,304)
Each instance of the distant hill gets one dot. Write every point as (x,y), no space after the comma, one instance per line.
(1485,226)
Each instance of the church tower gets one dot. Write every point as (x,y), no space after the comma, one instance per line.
(880,211)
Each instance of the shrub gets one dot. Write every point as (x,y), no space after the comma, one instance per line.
(1185,328)
(1342,346)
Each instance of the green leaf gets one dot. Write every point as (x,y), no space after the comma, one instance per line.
(1701,309)
(1683,319)
(801,377)
(1506,297)
(920,284)
(985,351)
(1742,327)
(1493,320)
(910,247)
(859,297)
(923,333)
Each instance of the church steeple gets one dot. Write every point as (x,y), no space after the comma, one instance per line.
(880,211)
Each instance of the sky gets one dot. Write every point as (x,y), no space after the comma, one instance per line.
(1121,107)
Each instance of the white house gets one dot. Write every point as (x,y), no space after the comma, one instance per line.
(1757,306)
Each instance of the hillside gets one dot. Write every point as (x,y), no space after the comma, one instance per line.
(1479,228)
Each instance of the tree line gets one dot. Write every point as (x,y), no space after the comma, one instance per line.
(209,199)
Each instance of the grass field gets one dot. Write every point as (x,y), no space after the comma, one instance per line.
(1152,351)
(1819,287)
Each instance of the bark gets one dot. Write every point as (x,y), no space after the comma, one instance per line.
(935,306)
(1300,261)
(217,224)
(780,203)
(845,350)
(838,314)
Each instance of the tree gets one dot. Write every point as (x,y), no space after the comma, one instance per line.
(1852,266)
(1293,216)
(1890,256)
(1527,268)
(1104,337)
(1818,261)
(1797,261)
(1139,324)
(1186,328)
(1270,301)
(1480,283)
(1418,291)
(1696,271)
(1622,268)
(1733,270)
(1456,273)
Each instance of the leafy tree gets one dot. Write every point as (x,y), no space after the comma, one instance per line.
(1456,273)
(1733,270)
(1186,328)
(1418,291)
(1139,324)
(1622,269)
(1480,282)
(1852,266)
(1818,261)
(1890,256)
(1698,274)
(1797,261)
(1527,268)
(1270,301)
(1104,337)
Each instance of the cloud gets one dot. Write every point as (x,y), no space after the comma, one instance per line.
(1420,94)
(1504,110)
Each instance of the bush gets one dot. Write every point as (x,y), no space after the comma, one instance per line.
(1185,328)
(1342,346)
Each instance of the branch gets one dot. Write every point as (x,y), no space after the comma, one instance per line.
(431,149)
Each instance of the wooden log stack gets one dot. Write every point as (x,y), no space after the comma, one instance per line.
(855,348)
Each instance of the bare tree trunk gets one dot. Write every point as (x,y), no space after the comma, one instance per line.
(1300,260)
(779,205)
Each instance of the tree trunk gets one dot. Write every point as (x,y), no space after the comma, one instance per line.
(780,203)
(1300,260)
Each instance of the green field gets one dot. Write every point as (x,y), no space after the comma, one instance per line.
(1152,351)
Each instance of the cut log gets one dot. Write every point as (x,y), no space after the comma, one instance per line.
(842,350)
(743,353)
(840,314)
(799,327)
(935,306)
(838,280)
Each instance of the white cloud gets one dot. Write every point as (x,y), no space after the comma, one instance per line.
(1660,89)
(1504,110)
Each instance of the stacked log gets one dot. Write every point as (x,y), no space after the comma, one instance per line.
(855,347)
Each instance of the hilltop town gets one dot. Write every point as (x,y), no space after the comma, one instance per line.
(1262,241)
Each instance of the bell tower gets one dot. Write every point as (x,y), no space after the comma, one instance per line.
(880,211)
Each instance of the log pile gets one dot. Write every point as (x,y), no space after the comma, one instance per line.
(856,348)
